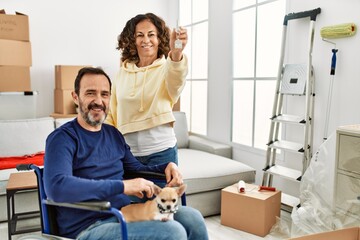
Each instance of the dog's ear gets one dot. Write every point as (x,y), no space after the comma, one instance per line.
(181,189)
(157,190)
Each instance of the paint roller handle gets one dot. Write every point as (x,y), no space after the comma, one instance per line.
(333,62)
(311,13)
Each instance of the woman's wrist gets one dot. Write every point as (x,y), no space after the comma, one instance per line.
(176,56)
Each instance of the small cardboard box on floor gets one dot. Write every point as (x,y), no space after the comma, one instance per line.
(253,211)
(352,233)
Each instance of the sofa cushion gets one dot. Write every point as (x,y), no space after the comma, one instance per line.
(206,145)
(204,171)
(181,130)
(24,136)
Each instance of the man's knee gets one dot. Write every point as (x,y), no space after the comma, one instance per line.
(173,230)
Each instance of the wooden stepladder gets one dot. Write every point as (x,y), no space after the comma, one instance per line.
(292,80)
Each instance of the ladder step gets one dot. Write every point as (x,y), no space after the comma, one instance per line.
(285,172)
(288,202)
(285,118)
(288,146)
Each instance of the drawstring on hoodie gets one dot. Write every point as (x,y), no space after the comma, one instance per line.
(133,91)
(142,92)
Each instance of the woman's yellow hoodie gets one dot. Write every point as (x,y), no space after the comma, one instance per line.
(142,98)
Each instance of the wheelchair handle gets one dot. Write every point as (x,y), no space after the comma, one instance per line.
(24,167)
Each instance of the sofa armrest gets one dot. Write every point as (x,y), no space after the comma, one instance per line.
(206,145)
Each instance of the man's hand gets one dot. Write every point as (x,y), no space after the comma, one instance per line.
(139,186)
(173,176)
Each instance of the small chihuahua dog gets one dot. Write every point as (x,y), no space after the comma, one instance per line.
(162,207)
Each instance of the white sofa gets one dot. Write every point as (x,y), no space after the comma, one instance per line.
(206,166)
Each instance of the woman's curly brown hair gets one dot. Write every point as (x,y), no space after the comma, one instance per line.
(126,39)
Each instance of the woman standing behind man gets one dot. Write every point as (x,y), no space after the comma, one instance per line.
(151,78)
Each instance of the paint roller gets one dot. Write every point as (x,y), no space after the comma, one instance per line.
(332,32)
(338,31)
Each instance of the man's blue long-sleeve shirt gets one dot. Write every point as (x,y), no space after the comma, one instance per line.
(81,165)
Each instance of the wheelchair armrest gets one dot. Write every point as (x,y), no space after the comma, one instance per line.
(146,175)
(24,167)
(92,206)
(100,206)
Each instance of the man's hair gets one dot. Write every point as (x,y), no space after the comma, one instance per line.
(126,39)
(88,70)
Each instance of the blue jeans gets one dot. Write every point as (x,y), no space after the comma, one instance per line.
(168,155)
(188,224)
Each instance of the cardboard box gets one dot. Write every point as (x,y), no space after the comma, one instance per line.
(64,103)
(342,234)
(15,53)
(14,79)
(253,211)
(23,102)
(59,115)
(14,26)
(65,76)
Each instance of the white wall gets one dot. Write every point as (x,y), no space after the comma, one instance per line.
(346,81)
(81,32)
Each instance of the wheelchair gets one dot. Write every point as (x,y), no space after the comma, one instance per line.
(49,227)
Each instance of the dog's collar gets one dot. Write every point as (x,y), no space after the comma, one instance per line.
(163,210)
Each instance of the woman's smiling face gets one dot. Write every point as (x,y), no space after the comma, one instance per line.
(147,42)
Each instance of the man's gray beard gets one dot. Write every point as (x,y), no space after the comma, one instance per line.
(90,119)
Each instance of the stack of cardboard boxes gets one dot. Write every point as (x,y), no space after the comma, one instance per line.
(15,63)
(15,49)
(64,84)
